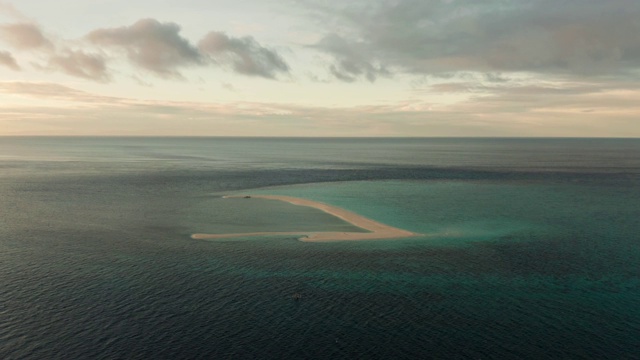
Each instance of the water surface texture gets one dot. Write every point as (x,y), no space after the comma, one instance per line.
(532,249)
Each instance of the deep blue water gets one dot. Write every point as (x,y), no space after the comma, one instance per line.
(533,249)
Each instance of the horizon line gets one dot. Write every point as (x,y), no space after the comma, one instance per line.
(314,137)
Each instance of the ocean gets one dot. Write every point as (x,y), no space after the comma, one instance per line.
(531,249)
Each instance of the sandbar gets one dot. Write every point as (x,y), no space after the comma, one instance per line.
(376,230)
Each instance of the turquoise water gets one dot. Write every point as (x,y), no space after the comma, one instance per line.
(531,249)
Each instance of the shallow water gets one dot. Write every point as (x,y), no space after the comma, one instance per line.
(532,249)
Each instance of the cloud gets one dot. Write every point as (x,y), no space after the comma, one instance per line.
(7,60)
(228,86)
(547,109)
(245,55)
(152,45)
(148,44)
(90,114)
(53,91)
(575,109)
(80,64)
(351,59)
(159,48)
(10,11)
(577,37)
(24,36)
(29,36)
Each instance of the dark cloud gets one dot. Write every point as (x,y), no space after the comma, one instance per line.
(6,59)
(155,46)
(579,37)
(24,36)
(245,55)
(352,60)
(27,36)
(151,45)
(80,64)
(159,48)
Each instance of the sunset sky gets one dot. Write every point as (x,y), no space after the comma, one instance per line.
(320,67)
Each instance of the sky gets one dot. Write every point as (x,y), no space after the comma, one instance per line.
(516,68)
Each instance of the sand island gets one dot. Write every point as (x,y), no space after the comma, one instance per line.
(376,230)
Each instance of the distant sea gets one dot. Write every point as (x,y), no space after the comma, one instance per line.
(532,249)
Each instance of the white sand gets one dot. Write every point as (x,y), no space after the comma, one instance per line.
(377,230)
